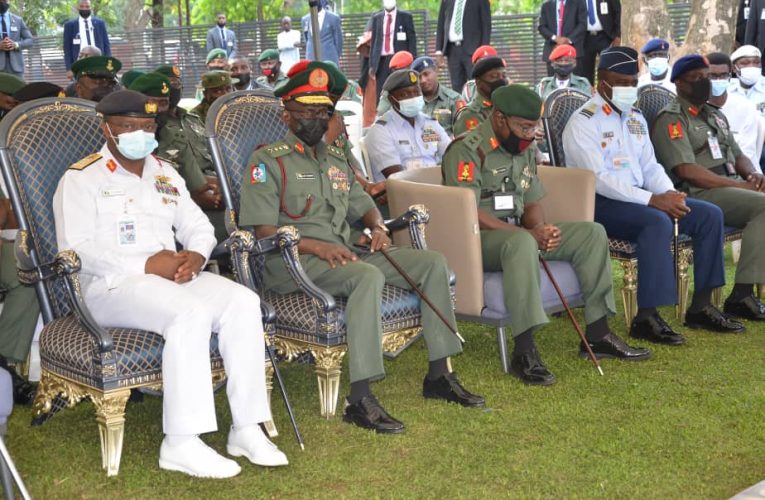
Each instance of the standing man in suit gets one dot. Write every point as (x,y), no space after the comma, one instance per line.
(330,35)
(85,31)
(741,20)
(463,26)
(221,37)
(392,31)
(563,22)
(15,36)
(604,29)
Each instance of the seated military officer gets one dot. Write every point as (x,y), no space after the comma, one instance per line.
(402,59)
(656,57)
(563,62)
(489,75)
(122,210)
(215,84)
(749,82)
(302,181)
(404,138)
(693,141)
(270,67)
(95,77)
(468,90)
(497,162)
(441,102)
(38,90)
(637,201)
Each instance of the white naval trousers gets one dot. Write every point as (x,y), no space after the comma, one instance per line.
(185,315)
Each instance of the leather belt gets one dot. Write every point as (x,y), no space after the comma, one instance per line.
(595,33)
(456,44)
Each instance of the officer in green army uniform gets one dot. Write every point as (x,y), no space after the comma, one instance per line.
(95,77)
(563,61)
(497,162)
(9,85)
(693,141)
(302,181)
(489,74)
(271,68)
(214,84)
(441,102)
(182,143)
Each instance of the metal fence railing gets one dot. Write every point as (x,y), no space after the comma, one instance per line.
(515,37)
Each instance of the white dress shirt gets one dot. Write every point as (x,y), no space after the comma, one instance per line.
(288,53)
(392,14)
(84,32)
(743,119)
(755,93)
(453,36)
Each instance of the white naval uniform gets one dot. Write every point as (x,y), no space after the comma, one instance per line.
(645,79)
(115,221)
(392,140)
(755,93)
(743,119)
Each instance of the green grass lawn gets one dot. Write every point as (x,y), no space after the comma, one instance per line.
(687,423)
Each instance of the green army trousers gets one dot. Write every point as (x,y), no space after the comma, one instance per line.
(743,209)
(516,254)
(20,309)
(362,283)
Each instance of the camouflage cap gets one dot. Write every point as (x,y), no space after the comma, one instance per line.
(217,78)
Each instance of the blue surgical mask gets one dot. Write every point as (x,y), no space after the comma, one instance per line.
(658,65)
(135,145)
(623,97)
(719,87)
(411,107)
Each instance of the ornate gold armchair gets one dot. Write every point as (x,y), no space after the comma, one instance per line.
(310,320)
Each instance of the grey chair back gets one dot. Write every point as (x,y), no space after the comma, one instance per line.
(39,140)
(652,99)
(558,108)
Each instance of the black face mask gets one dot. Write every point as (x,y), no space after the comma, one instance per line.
(3,7)
(700,91)
(312,130)
(495,85)
(514,144)
(175,97)
(85,13)
(563,70)
(244,79)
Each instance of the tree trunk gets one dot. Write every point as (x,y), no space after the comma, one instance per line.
(712,27)
(643,20)
(157,14)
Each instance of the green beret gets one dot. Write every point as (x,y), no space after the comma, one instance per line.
(401,78)
(337,79)
(127,103)
(517,100)
(268,55)
(10,84)
(38,90)
(152,85)
(129,77)
(217,78)
(96,67)
(169,70)
(216,54)
(309,83)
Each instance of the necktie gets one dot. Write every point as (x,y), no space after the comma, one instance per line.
(458,17)
(590,12)
(87,32)
(223,35)
(388,22)
(561,9)
(5,27)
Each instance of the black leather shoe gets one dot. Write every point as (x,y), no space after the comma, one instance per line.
(528,367)
(369,414)
(611,346)
(448,387)
(655,329)
(749,308)
(710,318)
(23,391)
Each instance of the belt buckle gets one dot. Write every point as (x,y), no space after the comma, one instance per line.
(457,44)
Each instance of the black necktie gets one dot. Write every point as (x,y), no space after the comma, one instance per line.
(87,32)
(5,34)
(5,27)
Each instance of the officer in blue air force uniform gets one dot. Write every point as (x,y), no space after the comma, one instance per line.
(636,201)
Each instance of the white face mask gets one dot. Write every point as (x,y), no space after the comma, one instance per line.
(658,65)
(750,75)
(411,107)
(389,4)
(135,145)
(624,97)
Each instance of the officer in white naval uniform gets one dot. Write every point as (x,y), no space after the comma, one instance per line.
(122,211)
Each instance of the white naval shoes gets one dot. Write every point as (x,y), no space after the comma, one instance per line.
(250,442)
(193,457)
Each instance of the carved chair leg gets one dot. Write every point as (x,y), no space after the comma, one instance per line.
(110,415)
(717,297)
(329,361)
(47,390)
(629,289)
(682,284)
(269,424)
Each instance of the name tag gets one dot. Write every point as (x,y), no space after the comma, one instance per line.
(401,36)
(762,14)
(127,232)
(76,41)
(111,192)
(14,28)
(622,163)
(414,164)
(746,13)
(230,44)
(714,148)
(305,176)
(603,8)
(503,201)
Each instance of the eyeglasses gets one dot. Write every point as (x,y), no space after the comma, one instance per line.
(310,114)
(525,130)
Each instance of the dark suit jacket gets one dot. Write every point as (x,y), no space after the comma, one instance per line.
(755,27)
(215,41)
(330,37)
(72,33)
(403,24)
(611,22)
(476,25)
(741,21)
(19,33)
(574,25)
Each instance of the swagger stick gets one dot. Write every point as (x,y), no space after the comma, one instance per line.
(280,382)
(571,315)
(677,259)
(417,290)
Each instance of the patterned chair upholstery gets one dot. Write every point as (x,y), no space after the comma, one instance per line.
(558,108)
(79,359)
(310,320)
(652,99)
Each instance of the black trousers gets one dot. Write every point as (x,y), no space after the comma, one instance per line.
(593,44)
(460,65)
(383,70)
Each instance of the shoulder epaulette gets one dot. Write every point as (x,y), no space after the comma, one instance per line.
(278,149)
(589,109)
(85,162)
(335,151)
(381,121)
(473,139)
(162,159)
(450,93)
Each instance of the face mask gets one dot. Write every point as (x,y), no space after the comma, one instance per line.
(749,75)
(563,70)
(244,79)
(700,90)
(624,97)
(495,85)
(411,107)
(175,97)
(312,130)
(3,7)
(719,87)
(85,13)
(514,144)
(658,66)
(389,4)
(268,71)
(135,145)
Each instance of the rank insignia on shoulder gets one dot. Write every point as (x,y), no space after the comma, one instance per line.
(258,173)
(333,150)
(111,165)
(465,171)
(589,110)
(675,130)
(460,104)
(299,148)
(85,162)
(607,109)
(278,149)
(693,110)
(493,142)
(471,123)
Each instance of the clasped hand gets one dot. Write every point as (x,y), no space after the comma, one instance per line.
(180,267)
